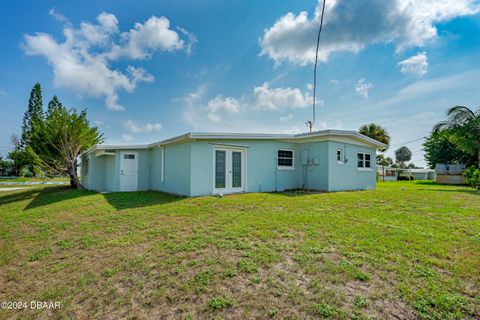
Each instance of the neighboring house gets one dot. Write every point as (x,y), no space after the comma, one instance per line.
(450,173)
(196,164)
(421,174)
(392,174)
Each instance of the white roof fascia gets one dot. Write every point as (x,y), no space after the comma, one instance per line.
(327,134)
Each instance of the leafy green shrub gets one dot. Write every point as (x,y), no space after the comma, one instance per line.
(25,172)
(472,176)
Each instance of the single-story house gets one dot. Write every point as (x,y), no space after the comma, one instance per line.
(392,174)
(450,173)
(196,164)
(421,174)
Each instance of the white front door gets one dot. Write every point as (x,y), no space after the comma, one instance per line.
(128,171)
(229,170)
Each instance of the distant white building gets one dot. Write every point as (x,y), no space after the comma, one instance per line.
(450,173)
(392,174)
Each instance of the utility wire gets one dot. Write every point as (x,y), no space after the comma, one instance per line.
(406,142)
(315,67)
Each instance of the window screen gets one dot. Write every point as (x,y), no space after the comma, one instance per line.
(220,169)
(236,169)
(339,155)
(364,160)
(367,160)
(285,158)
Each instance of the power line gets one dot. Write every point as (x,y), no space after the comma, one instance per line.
(311,123)
(407,142)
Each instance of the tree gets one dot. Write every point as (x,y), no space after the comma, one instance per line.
(384,162)
(53,105)
(3,166)
(34,114)
(402,155)
(439,149)
(65,134)
(375,131)
(22,158)
(22,154)
(463,126)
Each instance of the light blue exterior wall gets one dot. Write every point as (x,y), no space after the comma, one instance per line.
(315,174)
(188,167)
(347,176)
(262,173)
(96,173)
(176,174)
(111,176)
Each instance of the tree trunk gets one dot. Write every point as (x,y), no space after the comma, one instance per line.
(478,159)
(72,173)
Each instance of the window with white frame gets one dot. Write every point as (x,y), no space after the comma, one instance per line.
(339,155)
(285,159)
(364,160)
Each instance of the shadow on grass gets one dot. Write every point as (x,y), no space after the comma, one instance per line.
(138,199)
(120,200)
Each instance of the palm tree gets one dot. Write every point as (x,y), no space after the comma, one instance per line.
(462,128)
(375,131)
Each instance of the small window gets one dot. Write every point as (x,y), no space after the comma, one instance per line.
(364,161)
(129,156)
(339,155)
(285,159)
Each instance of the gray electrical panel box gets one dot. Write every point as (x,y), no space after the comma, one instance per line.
(316,161)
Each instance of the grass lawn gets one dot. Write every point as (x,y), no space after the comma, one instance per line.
(389,253)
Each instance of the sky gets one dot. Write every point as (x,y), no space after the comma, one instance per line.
(150,70)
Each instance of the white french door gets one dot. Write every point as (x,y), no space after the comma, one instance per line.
(128,171)
(229,166)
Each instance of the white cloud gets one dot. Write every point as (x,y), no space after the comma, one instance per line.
(286,118)
(280,98)
(416,65)
(218,104)
(139,43)
(82,62)
(191,101)
(135,127)
(190,41)
(57,16)
(350,25)
(432,89)
(203,114)
(127,138)
(362,87)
